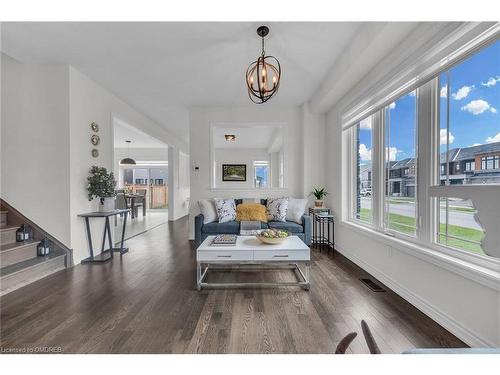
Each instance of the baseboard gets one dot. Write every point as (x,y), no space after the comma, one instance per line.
(462,332)
(178,218)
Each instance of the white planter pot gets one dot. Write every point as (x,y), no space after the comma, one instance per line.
(108,205)
(318,203)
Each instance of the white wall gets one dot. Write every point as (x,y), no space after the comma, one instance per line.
(46,151)
(34,148)
(178,184)
(90,102)
(314,154)
(238,156)
(462,303)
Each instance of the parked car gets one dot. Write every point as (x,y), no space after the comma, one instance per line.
(366,192)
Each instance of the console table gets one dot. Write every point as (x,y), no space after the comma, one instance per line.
(106,254)
(250,252)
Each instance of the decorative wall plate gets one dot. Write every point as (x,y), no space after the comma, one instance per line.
(95,127)
(95,152)
(95,139)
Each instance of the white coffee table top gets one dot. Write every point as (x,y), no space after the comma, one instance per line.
(252,243)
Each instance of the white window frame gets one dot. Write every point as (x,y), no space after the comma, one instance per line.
(427,156)
(261,163)
(353,176)
(383,223)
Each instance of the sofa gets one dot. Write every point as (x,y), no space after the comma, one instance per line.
(202,231)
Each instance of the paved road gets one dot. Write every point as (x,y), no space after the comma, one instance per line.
(463,219)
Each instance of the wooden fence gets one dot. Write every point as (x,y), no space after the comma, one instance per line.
(157,195)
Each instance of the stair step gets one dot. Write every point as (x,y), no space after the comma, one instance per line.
(8,234)
(17,252)
(19,274)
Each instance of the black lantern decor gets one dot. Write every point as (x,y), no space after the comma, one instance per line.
(44,247)
(263,75)
(24,233)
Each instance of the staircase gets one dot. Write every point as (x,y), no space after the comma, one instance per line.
(19,263)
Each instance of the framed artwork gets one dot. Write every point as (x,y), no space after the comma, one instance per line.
(234,172)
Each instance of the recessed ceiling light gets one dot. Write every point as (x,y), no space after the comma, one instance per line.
(230,137)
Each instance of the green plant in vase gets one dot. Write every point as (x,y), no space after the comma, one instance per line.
(319,194)
(101,184)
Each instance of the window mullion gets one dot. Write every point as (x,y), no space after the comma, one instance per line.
(428,159)
(377,169)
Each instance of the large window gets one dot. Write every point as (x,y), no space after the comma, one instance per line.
(469,121)
(400,137)
(458,144)
(469,127)
(261,173)
(363,209)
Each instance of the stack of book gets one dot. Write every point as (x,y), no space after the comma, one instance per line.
(224,240)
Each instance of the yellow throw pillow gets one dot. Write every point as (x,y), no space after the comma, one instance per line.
(251,212)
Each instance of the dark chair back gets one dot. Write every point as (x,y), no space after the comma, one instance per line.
(370,340)
(121,202)
(345,342)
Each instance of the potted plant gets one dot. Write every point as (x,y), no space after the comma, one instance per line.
(319,194)
(101,184)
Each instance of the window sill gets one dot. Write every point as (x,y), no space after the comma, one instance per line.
(247,188)
(488,276)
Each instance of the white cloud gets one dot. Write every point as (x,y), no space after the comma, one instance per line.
(366,124)
(476,107)
(444,92)
(462,92)
(492,81)
(442,137)
(393,151)
(495,138)
(365,154)
(392,105)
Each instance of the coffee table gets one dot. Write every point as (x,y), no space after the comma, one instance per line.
(250,252)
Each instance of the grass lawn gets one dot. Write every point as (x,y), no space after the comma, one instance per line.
(462,209)
(406,225)
(401,200)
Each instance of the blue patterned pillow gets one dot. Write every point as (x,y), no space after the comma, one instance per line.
(226,210)
(276,209)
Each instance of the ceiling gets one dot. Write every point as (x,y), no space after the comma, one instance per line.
(124,132)
(163,68)
(247,137)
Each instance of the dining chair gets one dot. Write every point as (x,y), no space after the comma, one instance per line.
(141,201)
(120,204)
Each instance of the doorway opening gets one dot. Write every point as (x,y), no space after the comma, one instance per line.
(141,171)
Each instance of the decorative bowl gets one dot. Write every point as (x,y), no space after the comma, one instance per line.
(271,241)
(274,239)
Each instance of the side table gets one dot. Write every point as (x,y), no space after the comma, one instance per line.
(313,211)
(323,239)
(106,254)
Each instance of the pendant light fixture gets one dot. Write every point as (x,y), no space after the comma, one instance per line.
(263,75)
(128,160)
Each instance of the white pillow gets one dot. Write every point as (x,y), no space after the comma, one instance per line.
(276,209)
(226,209)
(207,209)
(296,209)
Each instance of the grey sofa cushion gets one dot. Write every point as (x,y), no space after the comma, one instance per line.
(229,227)
(286,225)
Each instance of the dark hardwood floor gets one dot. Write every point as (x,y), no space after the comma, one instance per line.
(146,302)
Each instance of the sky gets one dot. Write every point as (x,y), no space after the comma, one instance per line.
(474,109)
